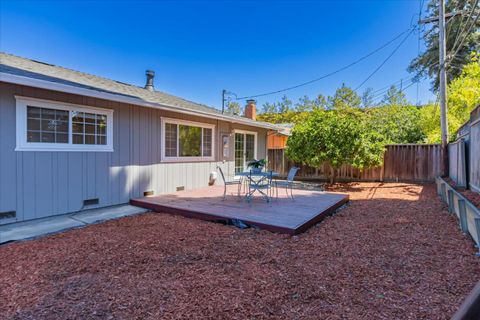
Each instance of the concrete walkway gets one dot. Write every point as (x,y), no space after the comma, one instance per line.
(39,227)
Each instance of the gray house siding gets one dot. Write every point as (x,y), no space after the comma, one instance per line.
(40,184)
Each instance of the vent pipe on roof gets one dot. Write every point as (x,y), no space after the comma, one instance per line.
(150,75)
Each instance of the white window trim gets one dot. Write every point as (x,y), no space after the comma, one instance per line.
(21,124)
(188,123)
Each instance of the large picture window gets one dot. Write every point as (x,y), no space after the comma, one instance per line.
(53,126)
(186,141)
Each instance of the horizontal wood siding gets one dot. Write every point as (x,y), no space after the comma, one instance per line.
(39,184)
(401,163)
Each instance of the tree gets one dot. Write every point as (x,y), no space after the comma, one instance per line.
(397,123)
(337,137)
(344,98)
(268,107)
(463,96)
(305,104)
(426,64)
(394,97)
(367,98)
(234,108)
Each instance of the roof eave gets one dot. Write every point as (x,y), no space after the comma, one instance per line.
(49,85)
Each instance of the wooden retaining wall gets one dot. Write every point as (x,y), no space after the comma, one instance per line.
(404,162)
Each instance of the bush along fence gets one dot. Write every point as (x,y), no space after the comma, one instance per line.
(464,154)
(401,162)
(468,215)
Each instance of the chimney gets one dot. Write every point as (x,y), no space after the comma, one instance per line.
(251,109)
(150,75)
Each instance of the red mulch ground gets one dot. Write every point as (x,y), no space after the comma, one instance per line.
(393,253)
(473,197)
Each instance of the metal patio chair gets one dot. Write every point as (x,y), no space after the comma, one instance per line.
(226,183)
(261,183)
(288,184)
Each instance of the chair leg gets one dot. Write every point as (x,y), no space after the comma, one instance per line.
(225,192)
(291,192)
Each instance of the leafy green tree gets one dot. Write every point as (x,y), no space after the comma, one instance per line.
(396,123)
(426,64)
(344,98)
(463,95)
(233,107)
(395,97)
(268,107)
(367,98)
(305,104)
(337,137)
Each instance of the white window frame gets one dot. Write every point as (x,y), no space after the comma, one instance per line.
(178,122)
(21,123)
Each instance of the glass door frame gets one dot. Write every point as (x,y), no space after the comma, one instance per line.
(244,133)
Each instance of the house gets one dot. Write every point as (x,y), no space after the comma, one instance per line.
(71,141)
(277,139)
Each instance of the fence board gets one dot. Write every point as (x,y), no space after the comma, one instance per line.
(474,165)
(407,162)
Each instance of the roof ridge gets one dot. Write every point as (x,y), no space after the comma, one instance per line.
(71,70)
(105,78)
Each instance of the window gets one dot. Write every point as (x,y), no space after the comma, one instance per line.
(186,141)
(53,126)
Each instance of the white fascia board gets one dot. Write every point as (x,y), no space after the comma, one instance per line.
(49,85)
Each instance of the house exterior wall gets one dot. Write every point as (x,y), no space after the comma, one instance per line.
(276,141)
(37,184)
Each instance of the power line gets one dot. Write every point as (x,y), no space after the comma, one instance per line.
(331,73)
(462,27)
(385,61)
(467,33)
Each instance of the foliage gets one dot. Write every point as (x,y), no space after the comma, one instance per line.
(287,117)
(233,107)
(344,98)
(367,98)
(257,163)
(426,64)
(463,96)
(397,123)
(394,97)
(337,137)
(284,105)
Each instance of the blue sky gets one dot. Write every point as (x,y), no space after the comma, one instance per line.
(198,48)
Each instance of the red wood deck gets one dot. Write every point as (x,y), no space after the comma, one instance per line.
(283,215)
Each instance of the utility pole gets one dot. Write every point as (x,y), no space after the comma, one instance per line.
(443,81)
(442,76)
(223,100)
(224,94)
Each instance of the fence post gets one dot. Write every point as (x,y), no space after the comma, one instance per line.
(451,207)
(463,215)
(444,191)
(477,226)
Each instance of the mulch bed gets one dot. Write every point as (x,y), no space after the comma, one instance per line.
(393,253)
(473,197)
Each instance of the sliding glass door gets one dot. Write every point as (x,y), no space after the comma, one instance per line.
(245,145)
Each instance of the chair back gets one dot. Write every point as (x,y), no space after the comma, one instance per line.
(292,173)
(221,173)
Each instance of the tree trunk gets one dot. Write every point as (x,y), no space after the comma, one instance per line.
(333,172)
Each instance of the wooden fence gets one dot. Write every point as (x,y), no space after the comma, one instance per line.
(406,162)
(464,154)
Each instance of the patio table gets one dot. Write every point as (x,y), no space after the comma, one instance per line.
(256,182)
